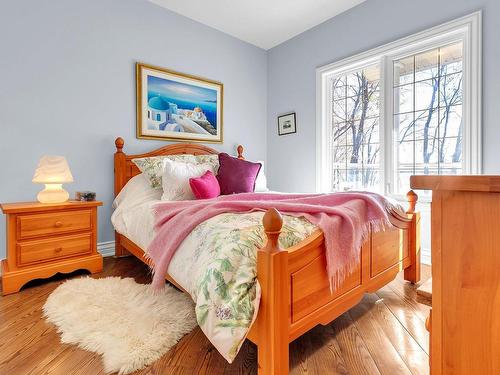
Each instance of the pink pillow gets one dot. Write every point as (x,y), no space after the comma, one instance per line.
(236,175)
(205,186)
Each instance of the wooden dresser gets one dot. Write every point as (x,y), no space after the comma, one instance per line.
(465,317)
(44,239)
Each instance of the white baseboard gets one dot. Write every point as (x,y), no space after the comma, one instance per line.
(107,249)
(425,256)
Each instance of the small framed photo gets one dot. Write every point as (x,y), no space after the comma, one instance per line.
(287,124)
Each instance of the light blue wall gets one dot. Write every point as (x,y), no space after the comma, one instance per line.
(67,87)
(291,75)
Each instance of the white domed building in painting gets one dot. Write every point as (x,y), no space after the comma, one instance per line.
(160,113)
(166,116)
(157,109)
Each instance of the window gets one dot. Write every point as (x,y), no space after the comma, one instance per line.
(409,107)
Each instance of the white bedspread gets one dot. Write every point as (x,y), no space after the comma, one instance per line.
(216,264)
(136,223)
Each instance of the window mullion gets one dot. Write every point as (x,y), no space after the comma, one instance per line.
(386,123)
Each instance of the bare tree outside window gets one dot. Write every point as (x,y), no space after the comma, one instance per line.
(428,114)
(427,134)
(355,130)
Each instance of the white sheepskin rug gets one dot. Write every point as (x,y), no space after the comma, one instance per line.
(125,322)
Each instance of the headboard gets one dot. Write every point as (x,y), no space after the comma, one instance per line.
(125,169)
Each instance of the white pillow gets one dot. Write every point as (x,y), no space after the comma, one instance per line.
(136,191)
(175,179)
(261,180)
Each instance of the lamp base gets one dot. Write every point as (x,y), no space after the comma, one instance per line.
(53,193)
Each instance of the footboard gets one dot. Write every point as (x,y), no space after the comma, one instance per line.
(295,287)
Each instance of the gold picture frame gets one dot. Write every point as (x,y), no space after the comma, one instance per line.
(176,106)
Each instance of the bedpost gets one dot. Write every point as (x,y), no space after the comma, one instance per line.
(412,273)
(239,149)
(120,166)
(273,321)
(412,201)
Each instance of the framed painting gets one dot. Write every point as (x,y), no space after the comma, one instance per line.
(177,107)
(287,124)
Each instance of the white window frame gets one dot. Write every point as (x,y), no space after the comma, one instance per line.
(466,29)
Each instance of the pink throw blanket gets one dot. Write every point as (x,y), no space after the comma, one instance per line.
(344,218)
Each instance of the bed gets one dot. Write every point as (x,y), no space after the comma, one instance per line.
(295,290)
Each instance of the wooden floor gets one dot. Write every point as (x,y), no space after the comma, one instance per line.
(384,334)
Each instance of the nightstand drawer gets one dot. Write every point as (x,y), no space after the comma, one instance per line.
(60,247)
(53,223)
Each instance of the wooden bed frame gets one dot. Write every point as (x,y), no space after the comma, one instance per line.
(295,289)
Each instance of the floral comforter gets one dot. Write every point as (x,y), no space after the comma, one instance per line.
(224,273)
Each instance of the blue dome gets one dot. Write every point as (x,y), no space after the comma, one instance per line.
(158,103)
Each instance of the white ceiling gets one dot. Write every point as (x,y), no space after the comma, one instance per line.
(264,23)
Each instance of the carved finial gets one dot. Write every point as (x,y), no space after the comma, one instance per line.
(240,152)
(273,222)
(119,142)
(412,201)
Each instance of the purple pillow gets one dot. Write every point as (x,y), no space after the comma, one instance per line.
(205,187)
(236,175)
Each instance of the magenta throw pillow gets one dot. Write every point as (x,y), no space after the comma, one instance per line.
(205,186)
(236,175)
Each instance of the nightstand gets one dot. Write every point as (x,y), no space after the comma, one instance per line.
(44,239)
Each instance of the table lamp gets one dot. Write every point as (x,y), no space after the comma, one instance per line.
(53,171)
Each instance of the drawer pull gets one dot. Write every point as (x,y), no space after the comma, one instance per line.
(58,249)
(58,224)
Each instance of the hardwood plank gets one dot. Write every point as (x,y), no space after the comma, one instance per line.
(209,360)
(356,355)
(406,315)
(73,360)
(17,342)
(317,352)
(408,293)
(302,349)
(244,363)
(387,339)
(380,347)
(409,350)
(23,360)
(417,361)
(186,353)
